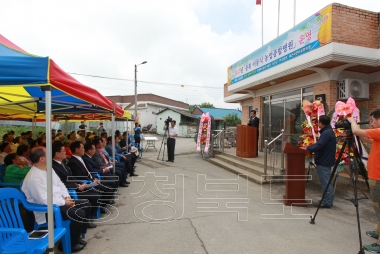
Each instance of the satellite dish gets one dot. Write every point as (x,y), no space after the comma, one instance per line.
(355,88)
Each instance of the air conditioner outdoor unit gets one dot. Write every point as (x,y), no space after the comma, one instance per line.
(354,88)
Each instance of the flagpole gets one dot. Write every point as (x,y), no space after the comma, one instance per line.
(294,23)
(262,23)
(278,19)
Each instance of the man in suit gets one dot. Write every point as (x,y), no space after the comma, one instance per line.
(124,141)
(125,152)
(255,122)
(102,159)
(67,178)
(80,170)
(89,151)
(107,150)
(126,158)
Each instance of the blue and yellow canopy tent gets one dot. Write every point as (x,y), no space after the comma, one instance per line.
(22,75)
(35,85)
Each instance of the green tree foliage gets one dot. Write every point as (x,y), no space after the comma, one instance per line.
(191,108)
(206,105)
(19,129)
(232,119)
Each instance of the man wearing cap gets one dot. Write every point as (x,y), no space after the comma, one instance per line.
(172,135)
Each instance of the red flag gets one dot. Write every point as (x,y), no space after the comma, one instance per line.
(258,2)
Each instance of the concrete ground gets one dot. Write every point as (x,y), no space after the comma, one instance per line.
(193,206)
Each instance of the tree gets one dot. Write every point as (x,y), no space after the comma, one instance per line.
(232,119)
(206,105)
(191,108)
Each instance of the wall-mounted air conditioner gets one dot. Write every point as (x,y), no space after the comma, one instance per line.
(354,88)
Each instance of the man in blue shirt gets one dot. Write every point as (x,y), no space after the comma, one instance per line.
(324,157)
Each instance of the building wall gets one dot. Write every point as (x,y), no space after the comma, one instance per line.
(149,97)
(226,92)
(329,88)
(244,114)
(354,26)
(175,116)
(374,102)
(197,111)
(148,115)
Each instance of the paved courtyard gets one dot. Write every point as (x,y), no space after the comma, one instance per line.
(192,206)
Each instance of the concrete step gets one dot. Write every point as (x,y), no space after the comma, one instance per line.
(259,163)
(254,175)
(254,168)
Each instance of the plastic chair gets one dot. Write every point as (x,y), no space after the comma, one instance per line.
(2,184)
(74,195)
(13,236)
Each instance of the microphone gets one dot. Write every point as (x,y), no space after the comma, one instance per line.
(363,122)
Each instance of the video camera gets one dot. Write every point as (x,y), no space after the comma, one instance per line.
(345,124)
(167,121)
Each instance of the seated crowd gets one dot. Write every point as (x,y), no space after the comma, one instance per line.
(81,163)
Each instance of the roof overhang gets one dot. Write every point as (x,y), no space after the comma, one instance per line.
(332,58)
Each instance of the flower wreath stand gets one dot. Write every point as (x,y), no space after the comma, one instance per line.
(203,141)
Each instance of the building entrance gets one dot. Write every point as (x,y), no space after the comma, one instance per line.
(283,111)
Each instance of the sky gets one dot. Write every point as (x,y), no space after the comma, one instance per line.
(188,44)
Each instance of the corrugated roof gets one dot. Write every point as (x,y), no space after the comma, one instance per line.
(218,113)
(182,112)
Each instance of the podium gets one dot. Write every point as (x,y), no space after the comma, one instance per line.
(246,140)
(295,179)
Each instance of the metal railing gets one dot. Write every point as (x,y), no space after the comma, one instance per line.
(218,141)
(266,145)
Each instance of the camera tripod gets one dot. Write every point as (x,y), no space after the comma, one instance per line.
(355,164)
(163,142)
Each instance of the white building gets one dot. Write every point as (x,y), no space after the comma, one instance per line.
(185,122)
(148,105)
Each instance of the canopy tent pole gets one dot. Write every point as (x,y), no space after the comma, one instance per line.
(34,127)
(113,137)
(49,169)
(66,127)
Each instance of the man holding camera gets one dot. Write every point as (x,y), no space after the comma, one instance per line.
(172,135)
(372,136)
(324,157)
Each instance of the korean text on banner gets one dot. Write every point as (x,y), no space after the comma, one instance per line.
(311,34)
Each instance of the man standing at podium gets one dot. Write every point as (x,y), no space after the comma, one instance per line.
(324,157)
(255,121)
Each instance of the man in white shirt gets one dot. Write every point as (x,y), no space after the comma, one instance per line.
(172,135)
(35,190)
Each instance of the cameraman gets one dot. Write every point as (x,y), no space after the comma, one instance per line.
(372,136)
(172,135)
(324,158)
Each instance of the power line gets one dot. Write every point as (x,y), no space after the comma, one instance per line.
(140,81)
